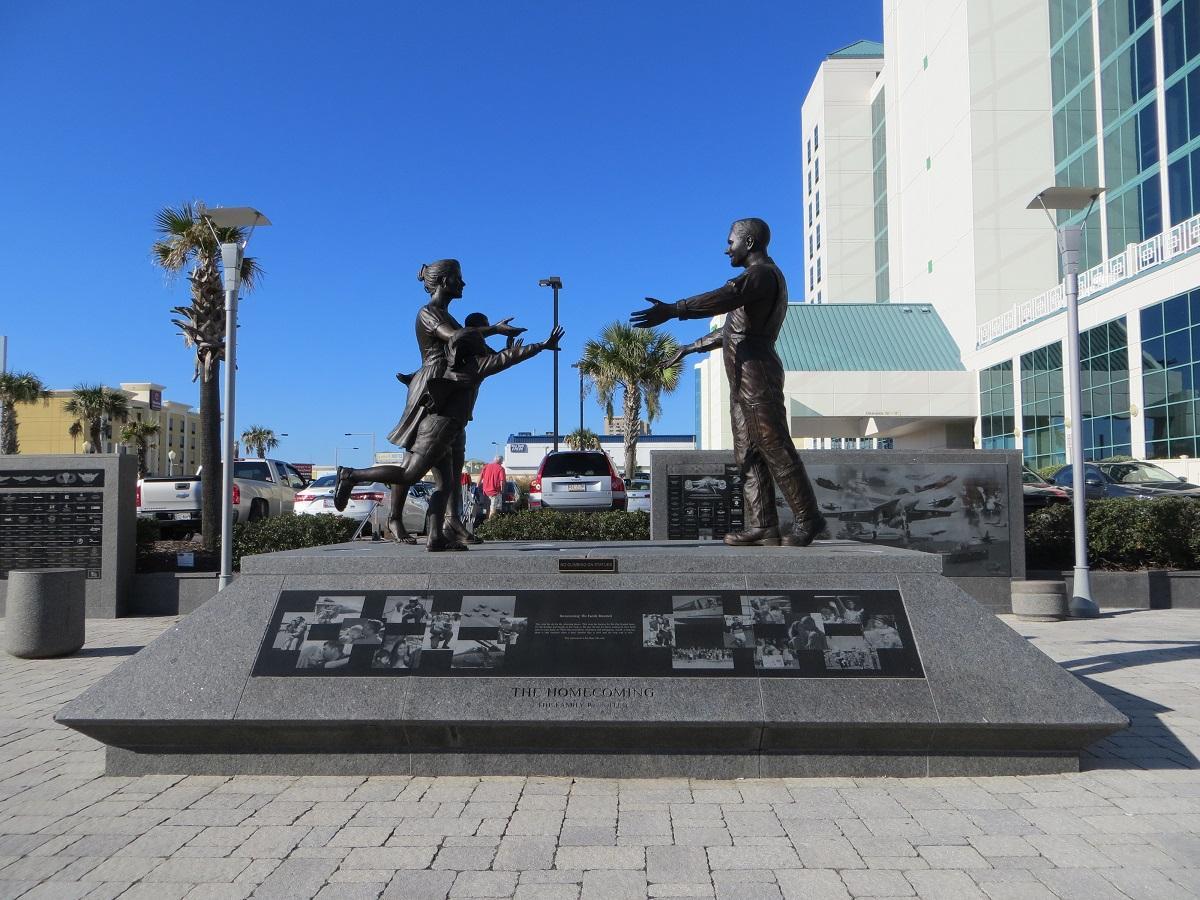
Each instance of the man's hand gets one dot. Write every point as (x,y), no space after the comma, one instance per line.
(677,356)
(551,343)
(658,313)
(502,327)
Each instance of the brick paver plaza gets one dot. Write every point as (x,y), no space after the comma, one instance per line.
(1129,826)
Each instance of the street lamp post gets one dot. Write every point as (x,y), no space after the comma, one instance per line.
(555,283)
(231,271)
(337,450)
(369,434)
(1070,246)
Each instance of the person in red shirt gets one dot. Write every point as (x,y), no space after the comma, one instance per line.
(491,480)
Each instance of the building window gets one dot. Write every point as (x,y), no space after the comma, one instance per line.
(1131,147)
(817,169)
(817,199)
(810,181)
(811,281)
(1183,179)
(818,237)
(1180,34)
(1183,110)
(1127,77)
(810,246)
(997,421)
(810,214)
(808,151)
(1104,383)
(879,185)
(1120,20)
(816,139)
(818,270)
(1171,375)
(1043,436)
(1135,214)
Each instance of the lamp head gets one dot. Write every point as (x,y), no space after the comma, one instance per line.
(552,282)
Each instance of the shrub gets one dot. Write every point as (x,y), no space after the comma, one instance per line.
(147,533)
(552,525)
(289,532)
(1122,534)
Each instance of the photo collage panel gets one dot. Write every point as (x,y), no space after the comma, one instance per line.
(581,633)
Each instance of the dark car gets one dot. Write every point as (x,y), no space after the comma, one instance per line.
(1143,480)
(511,499)
(1040,493)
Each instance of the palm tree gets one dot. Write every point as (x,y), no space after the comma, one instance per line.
(16,387)
(95,407)
(141,435)
(75,431)
(259,441)
(186,240)
(631,359)
(582,439)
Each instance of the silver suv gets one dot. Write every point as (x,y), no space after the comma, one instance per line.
(577,481)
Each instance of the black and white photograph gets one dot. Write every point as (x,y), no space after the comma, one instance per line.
(773,653)
(841,609)
(442,631)
(407,610)
(512,628)
(958,510)
(329,610)
(739,632)
(807,632)
(478,654)
(291,634)
(485,612)
(332,654)
(658,630)
(881,633)
(691,606)
(360,631)
(700,644)
(766,609)
(399,651)
(849,651)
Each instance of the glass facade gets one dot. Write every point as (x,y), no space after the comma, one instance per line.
(996,407)
(1171,375)
(879,178)
(1104,383)
(1043,435)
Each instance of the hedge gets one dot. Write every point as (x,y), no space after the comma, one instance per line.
(289,532)
(552,525)
(1122,534)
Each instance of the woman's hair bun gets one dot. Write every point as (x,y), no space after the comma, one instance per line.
(421,274)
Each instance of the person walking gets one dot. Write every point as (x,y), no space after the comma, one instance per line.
(491,480)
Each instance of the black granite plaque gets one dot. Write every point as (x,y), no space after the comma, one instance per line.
(595,564)
(51,519)
(705,505)
(807,634)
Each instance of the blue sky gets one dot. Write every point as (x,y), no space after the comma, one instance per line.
(608,143)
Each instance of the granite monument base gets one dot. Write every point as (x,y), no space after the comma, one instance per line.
(615,659)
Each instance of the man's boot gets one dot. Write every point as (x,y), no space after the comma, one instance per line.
(754,537)
(807,520)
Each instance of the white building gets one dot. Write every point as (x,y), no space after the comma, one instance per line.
(524,450)
(977,106)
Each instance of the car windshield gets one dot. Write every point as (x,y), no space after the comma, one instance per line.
(567,464)
(639,484)
(324,481)
(1137,473)
(1028,476)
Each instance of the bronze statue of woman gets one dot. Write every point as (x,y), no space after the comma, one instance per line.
(432,427)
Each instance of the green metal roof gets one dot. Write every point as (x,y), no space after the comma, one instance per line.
(858,50)
(866,337)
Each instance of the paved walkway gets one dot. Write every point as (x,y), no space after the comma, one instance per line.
(1129,827)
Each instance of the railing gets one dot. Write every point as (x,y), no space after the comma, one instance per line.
(1182,238)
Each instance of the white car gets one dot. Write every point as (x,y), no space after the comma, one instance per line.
(577,481)
(364,499)
(637,492)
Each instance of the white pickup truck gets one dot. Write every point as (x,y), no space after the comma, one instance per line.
(261,488)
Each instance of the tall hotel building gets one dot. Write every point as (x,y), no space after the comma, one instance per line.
(921,154)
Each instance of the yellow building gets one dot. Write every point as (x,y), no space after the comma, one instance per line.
(46,428)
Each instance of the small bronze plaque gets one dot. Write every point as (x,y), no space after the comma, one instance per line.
(588,564)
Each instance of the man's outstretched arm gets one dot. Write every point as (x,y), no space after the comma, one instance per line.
(748,287)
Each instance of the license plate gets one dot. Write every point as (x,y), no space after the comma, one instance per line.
(577,487)
(181,516)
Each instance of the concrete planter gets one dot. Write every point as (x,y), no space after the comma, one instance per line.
(1040,601)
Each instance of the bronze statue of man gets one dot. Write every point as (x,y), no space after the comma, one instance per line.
(754,304)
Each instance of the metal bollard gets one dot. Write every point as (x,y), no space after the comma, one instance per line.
(44,612)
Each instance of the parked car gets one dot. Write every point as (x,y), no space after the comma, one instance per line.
(317,498)
(1143,480)
(577,481)
(1040,493)
(637,493)
(512,497)
(261,488)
